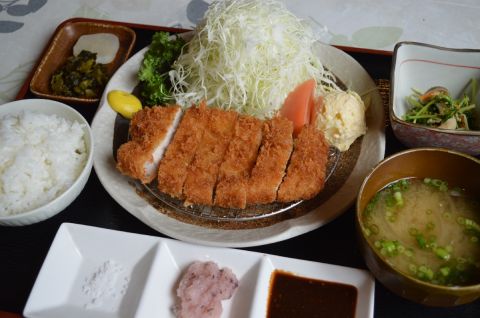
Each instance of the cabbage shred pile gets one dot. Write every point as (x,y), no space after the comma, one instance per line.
(247,55)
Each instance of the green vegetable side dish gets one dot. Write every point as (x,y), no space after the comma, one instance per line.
(437,108)
(155,86)
(426,229)
(80,76)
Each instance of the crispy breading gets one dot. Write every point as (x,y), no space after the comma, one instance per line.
(203,172)
(306,171)
(269,169)
(150,131)
(231,192)
(172,170)
(238,162)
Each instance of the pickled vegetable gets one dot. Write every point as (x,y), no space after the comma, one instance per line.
(124,103)
(80,76)
(437,108)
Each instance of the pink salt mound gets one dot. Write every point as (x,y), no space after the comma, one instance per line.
(202,288)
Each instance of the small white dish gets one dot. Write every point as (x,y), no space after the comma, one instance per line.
(99,273)
(51,107)
(422,66)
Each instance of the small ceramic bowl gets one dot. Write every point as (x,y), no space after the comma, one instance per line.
(422,66)
(61,47)
(58,204)
(452,166)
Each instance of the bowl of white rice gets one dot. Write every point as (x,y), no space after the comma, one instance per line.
(46,159)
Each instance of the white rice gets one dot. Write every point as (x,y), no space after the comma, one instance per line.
(40,157)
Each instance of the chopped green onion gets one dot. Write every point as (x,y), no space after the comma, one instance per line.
(472,225)
(404,183)
(412,231)
(422,242)
(374,229)
(425,273)
(388,247)
(367,231)
(442,253)
(430,226)
(445,271)
(392,219)
(398,198)
(412,268)
(408,252)
(390,201)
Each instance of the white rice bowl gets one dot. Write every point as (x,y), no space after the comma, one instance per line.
(46,159)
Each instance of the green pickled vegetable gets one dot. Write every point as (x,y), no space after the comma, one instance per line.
(80,76)
(437,108)
(155,86)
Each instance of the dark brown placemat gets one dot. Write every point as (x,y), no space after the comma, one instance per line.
(383,86)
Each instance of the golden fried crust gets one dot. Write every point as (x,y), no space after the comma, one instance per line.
(238,163)
(172,170)
(131,158)
(268,172)
(231,192)
(203,172)
(151,123)
(148,128)
(306,171)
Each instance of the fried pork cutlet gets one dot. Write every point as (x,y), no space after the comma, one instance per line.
(268,172)
(151,130)
(172,170)
(203,172)
(306,171)
(238,162)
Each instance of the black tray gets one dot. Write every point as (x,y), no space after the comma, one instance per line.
(23,249)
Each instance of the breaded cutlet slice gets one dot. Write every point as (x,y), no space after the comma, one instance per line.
(269,169)
(238,162)
(306,171)
(150,130)
(203,171)
(172,170)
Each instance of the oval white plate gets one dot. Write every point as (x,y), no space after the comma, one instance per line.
(372,151)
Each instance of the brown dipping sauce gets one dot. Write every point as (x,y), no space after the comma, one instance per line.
(302,297)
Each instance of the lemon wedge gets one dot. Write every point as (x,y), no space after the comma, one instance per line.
(124,103)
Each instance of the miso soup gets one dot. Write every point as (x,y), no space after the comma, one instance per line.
(426,230)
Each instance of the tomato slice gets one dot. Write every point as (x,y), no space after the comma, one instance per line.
(299,105)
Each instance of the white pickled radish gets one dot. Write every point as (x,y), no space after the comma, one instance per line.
(104,44)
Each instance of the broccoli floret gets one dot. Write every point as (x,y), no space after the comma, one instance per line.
(155,84)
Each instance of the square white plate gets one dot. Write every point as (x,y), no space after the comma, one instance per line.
(94,272)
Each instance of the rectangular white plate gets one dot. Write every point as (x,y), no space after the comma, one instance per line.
(94,272)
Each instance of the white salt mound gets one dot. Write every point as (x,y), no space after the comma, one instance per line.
(41,157)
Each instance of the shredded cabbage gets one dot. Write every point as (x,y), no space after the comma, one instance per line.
(247,55)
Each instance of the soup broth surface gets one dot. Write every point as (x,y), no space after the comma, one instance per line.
(427,230)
